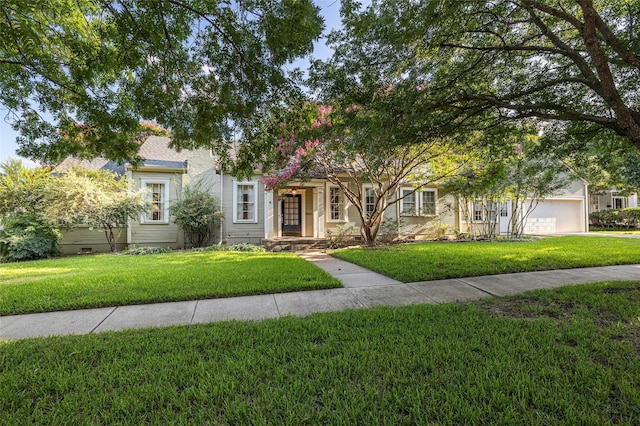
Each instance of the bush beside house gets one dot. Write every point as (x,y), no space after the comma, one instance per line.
(611,218)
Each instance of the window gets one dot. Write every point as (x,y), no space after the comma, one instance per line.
(408,202)
(428,203)
(617,201)
(482,212)
(478,211)
(504,209)
(595,202)
(245,207)
(369,201)
(158,199)
(336,204)
(414,203)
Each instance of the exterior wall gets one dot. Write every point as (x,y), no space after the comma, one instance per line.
(575,189)
(405,226)
(161,234)
(234,232)
(83,238)
(201,167)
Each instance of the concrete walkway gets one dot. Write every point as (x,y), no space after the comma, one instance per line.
(362,289)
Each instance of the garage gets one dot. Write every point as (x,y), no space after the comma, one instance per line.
(556,216)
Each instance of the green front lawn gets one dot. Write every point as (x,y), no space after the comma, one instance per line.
(567,356)
(438,260)
(109,280)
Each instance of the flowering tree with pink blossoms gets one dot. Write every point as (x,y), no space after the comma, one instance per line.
(336,143)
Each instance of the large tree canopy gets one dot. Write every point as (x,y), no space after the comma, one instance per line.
(78,75)
(574,65)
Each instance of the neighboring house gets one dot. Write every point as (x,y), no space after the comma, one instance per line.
(308,209)
(611,200)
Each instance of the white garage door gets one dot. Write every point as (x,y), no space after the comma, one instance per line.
(553,216)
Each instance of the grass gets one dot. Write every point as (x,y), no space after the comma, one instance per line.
(614,231)
(565,356)
(109,280)
(439,260)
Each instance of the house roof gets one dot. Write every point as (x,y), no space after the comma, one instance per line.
(154,150)
(99,163)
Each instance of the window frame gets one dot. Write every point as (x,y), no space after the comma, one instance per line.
(418,202)
(614,200)
(435,202)
(146,218)
(365,189)
(493,214)
(236,185)
(343,198)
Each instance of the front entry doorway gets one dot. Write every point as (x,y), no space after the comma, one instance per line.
(292,215)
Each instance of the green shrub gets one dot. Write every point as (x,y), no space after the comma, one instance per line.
(27,237)
(630,216)
(141,251)
(337,237)
(197,213)
(246,247)
(605,218)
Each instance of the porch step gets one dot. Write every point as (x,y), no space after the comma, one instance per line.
(294,244)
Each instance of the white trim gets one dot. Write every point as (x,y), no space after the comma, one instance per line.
(484,211)
(303,213)
(365,187)
(253,184)
(316,217)
(418,201)
(268,214)
(144,183)
(345,206)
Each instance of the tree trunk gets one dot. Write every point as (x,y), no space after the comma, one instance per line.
(111,239)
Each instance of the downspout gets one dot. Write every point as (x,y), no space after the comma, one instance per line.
(221,192)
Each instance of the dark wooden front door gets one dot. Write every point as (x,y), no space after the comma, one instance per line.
(291,215)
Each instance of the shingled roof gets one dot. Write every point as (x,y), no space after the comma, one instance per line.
(155,151)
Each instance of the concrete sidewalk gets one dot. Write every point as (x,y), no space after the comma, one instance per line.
(362,289)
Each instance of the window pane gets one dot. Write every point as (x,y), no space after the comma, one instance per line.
(477,211)
(336,206)
(245,208)
(156,198)
(408,202)
(429,203)
(369,200)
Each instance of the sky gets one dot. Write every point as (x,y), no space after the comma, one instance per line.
(330,10)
